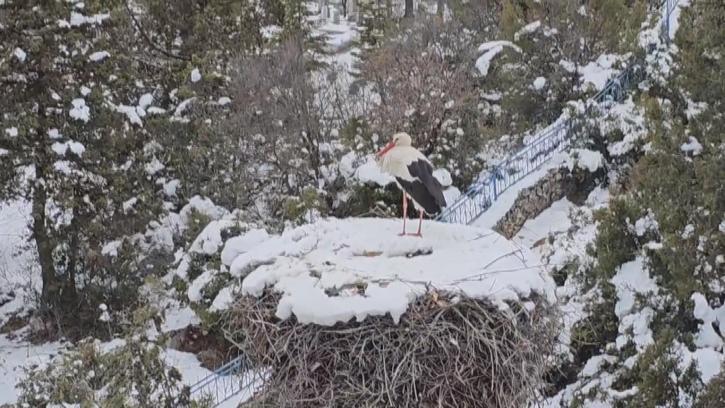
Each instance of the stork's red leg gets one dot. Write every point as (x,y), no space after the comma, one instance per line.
(420,223)
(405,211)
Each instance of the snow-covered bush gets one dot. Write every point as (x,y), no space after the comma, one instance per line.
(663,379)
(566,50)
(199,274)
(132,374)
(714,393)
(652,300)
(305,207)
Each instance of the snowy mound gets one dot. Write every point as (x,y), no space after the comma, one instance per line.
(334,270)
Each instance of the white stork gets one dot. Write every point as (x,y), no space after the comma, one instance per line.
(413,173)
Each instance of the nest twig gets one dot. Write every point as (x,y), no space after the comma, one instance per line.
(443,353)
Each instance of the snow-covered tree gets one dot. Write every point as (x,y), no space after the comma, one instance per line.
(103,123)
(656,286)
(73,139)
(559,43)
(375,21)
(424,80)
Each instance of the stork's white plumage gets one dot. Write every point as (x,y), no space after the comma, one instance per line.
(413,173)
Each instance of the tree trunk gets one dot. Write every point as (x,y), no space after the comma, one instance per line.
(441,8)
(408,9)
(51,286)
(69,288)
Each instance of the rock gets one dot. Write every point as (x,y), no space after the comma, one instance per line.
(209,349)
(532,201)
(176,341)
(211,358)
(535,199)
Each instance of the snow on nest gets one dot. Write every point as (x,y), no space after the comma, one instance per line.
(334,270)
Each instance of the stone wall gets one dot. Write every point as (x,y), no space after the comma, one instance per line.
(532,201)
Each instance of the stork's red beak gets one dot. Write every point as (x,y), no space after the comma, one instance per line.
(385,149)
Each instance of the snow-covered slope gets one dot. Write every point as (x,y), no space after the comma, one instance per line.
(334,270)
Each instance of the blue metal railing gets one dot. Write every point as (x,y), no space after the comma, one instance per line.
(224,383)
(229,380)
(481,194)
(479,197)
(668,6)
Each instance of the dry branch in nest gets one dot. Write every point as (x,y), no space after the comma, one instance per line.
(445,352)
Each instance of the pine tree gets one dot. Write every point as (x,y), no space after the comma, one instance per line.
(702,49)
(107,103)
(197,45)
(293,22)
(680,179)
(73,139)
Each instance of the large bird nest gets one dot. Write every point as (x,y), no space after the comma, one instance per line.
(447,351)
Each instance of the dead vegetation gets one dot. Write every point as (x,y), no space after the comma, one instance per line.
(447,351)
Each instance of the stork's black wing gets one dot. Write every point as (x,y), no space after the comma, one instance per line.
(425,189)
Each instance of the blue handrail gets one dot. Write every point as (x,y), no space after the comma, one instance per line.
(668,8)
(224,383)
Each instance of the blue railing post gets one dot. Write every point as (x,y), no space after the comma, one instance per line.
(669,7)
(493,183)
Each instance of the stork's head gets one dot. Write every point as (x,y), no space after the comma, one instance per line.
(399,139)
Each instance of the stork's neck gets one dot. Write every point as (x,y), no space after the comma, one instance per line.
(399,157)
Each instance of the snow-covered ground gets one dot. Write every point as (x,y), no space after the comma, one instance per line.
(674,17)
(560,236)
(192,372)
(17,261)
(598,72)
(18,276)
(582,158)
(15,355)
(340,36)
(506,200)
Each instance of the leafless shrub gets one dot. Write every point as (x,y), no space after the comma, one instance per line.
(341,98)
(420,82)
(443,353)
(273,128)
(427,87)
